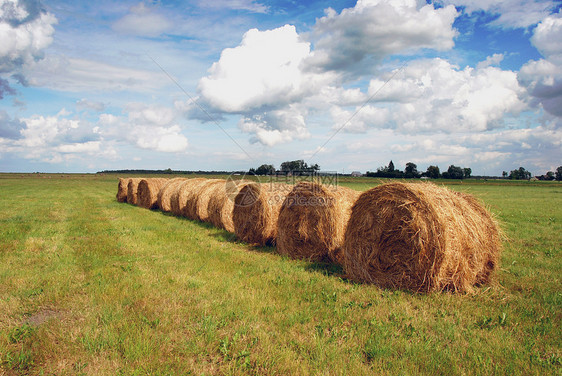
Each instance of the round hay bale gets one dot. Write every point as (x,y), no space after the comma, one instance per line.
(147,192)
(166,192)
(132,186)
(312,221)
(184,195)
(256,210)
(420,237)
(222,202)
(122,190)
(203,193)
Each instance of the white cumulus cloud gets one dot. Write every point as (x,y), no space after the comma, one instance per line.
(493,60)
(273,79)
(543,78)
(360,37)
(84,147)
(264,70)
(166,139)
(276,126)
(25,31)
(150,127)
(434,95)
(57,138)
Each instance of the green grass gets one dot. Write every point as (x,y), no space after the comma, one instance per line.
(90,286)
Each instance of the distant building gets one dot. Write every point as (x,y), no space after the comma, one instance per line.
(356,174)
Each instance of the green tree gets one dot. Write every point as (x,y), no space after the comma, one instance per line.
(411,171)
(504,174)
(550,175)
(433,172)
(390,166)
(520,174)
(298,167)
(265,169)
(290,166)
(454,172)
(559,173)
(467,171)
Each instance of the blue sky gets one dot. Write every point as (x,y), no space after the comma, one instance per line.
(231,84)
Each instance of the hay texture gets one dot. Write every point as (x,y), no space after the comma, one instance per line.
(122,190)
(221,204)
(185,195)
(147,192)
(491,246)
(166,192)
(132,186)
(256,210)
(197,207)
(420,237)
(312,221)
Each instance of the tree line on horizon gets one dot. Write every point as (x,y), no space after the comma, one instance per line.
(411,172)
(300,167)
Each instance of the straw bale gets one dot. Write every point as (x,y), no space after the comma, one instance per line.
(256,210)
(132,186)
(148,190)
(420,237)
(312,221)
(202,194)
(122,190)
(166,192)
(222,202)
(184,195)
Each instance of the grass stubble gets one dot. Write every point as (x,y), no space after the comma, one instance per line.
(92,286)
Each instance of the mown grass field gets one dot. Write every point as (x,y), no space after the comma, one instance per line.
(91,286)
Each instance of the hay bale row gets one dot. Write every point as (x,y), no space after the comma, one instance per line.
(253,219)
(418,237)
(183,197)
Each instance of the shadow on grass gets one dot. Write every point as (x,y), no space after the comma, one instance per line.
(324,268)
(221,234)
(327,269)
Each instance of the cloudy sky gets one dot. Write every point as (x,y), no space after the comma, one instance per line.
(232,84)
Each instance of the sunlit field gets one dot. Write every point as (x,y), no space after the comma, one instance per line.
(90,286)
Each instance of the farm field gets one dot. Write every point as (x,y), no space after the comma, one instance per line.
(95,287)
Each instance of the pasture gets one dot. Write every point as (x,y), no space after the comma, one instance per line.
(90,286)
